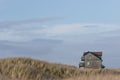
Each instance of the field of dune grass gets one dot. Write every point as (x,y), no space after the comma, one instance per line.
(32,69)
(97,77)
(97,74)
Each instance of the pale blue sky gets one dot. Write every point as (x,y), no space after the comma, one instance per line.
(102,11)
(60,30)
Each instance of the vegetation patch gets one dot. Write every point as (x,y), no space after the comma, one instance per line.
(32,69)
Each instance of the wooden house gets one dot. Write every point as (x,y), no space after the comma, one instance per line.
(92,60)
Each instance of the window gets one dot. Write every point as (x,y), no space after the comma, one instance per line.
(88,63)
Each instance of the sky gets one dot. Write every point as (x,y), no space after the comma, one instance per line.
(60,30)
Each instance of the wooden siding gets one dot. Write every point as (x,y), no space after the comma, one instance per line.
(92,61)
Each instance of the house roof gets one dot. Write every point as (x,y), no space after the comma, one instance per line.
(97,54)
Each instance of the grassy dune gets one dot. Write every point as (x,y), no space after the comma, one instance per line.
(97,77)
(31,69)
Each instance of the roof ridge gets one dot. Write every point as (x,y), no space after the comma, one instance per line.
(93,54)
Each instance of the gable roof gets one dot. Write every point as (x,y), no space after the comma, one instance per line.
(97,54)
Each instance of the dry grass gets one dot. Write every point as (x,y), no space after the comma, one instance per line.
(31,69)
(97,74)
(97,77)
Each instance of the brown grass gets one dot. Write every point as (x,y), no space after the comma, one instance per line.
(31,69)
(97,77)
(97,74)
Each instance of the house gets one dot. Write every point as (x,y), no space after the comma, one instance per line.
(92,60)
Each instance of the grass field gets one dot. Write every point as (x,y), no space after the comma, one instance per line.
(97,77)
(32,69)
